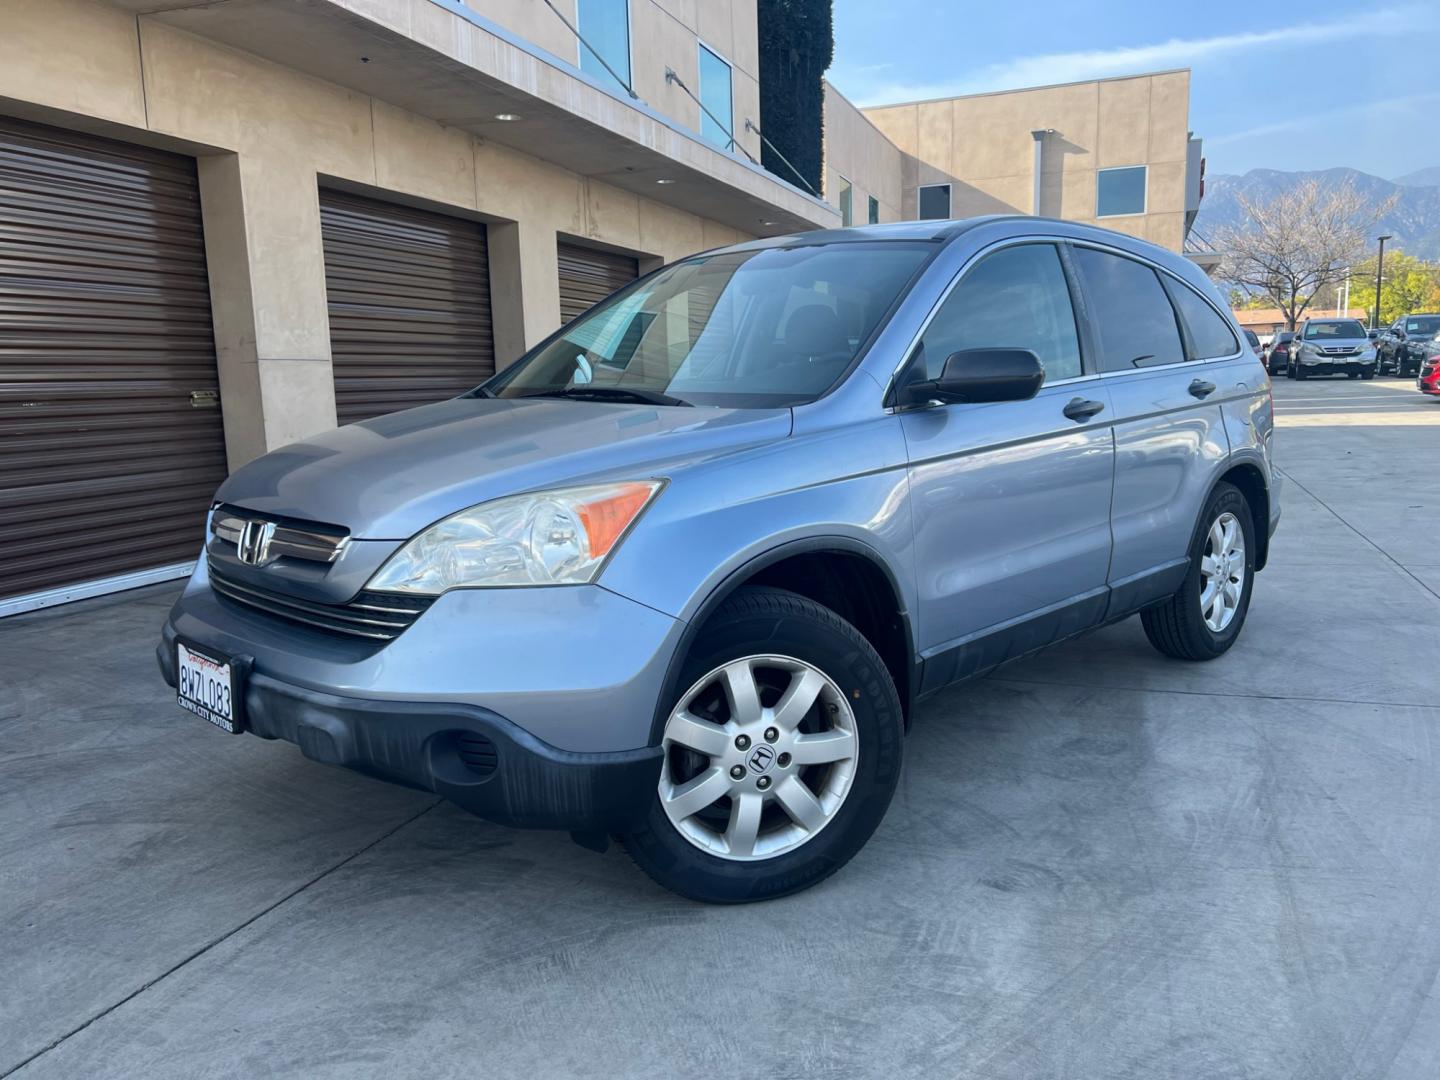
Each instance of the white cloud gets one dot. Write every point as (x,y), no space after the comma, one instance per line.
(1367,109)
(868,89)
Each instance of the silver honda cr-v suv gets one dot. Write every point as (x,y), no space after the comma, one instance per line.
(683,573)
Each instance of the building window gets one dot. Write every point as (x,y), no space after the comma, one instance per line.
(873,211)
(1120,191)
(605,27)
(934,202)
(847,202)
(716,98)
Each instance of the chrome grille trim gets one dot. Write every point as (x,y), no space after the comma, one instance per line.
(354,619)
(311,544)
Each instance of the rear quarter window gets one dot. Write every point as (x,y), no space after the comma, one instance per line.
(1210,335)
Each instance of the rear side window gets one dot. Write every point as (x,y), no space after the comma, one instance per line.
(1210,335)
(1016,298)
(1135,322)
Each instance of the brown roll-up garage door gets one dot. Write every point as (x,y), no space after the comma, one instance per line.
(111,444)
(588,275)
(409,295)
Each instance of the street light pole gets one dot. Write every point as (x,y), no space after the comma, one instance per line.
(1379,272)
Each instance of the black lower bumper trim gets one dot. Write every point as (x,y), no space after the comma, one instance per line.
(476,758)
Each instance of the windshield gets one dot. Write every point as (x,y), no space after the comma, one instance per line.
(1340,328)
(747,329)
(1423,327)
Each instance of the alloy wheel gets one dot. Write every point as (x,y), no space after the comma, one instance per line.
(759,756)
(1222,572)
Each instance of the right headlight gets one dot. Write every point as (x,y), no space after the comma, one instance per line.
(559,537)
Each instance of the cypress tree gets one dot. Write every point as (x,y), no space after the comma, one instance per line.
(797,43)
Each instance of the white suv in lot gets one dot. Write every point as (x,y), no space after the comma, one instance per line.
(1333,347)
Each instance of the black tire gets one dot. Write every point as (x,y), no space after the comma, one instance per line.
(1367,374)
(1352,374)
(1290,371)
(774,621)
(1300,373)
(1177,627)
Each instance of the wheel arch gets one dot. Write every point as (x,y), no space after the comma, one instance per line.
(820,568)
(1250,480)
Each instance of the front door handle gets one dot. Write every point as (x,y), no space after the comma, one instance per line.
(1081,409)
(1201,389)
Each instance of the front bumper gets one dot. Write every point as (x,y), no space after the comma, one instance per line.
(1335,367)
(470,755)
(580,668)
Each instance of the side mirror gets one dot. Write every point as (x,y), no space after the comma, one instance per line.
(973,376)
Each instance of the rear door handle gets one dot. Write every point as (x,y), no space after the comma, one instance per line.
(1200,388)
(1081,409)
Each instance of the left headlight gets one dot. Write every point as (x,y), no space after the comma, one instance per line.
(556,537)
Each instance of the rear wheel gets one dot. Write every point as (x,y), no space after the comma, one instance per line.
(781,753)
(1204,616)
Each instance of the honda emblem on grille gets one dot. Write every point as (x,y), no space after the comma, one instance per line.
(253,545)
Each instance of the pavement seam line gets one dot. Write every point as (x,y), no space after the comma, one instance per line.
(219,940)
(1214,693)
(1396,562)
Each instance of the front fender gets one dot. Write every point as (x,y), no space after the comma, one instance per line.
(847,484)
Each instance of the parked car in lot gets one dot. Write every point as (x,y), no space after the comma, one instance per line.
(1332,347)
(1277,360)
(683,572)
(1253,339)
(1427,380)
(1403,346)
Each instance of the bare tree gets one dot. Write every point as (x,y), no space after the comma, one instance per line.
(1295,244)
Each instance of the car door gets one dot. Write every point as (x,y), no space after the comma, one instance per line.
(1395,346)
(1010,499)
(1169,430)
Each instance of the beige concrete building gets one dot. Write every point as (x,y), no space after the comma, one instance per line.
(864,171)
(1112,152)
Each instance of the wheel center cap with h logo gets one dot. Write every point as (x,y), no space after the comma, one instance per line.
(760,759)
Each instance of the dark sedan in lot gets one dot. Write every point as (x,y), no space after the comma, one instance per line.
(1403,346)
(1277,360)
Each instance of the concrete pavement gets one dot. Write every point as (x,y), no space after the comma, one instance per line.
(1099,863)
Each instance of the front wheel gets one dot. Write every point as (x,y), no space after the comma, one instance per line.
(1203,618)
(1352,374)
(781,753)
(1367,374)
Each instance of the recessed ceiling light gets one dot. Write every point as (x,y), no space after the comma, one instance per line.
(664,181)
(507,117)
(769,223)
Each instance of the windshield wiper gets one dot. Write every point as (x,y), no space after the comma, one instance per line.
(615,393)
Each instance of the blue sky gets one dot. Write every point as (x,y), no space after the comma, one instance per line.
(1273,86)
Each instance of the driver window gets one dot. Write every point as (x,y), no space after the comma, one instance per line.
(1016,298)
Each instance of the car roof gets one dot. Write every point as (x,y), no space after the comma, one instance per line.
(945,232)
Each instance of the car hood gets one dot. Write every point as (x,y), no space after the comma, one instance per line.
(388,478)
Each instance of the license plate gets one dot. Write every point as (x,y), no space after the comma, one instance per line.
(207,685)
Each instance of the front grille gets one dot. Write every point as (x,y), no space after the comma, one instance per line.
(477,752)
(1343,350)
(274,539)
(373,615)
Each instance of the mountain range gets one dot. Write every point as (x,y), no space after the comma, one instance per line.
(1414,220)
